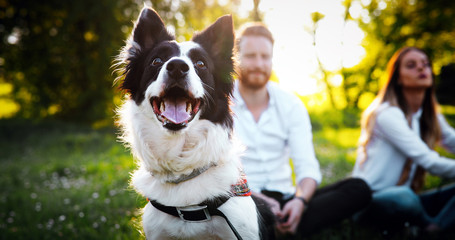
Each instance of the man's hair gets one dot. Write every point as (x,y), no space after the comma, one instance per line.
(252,29)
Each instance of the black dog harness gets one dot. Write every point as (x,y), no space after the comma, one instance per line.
(198,213)
(205,210)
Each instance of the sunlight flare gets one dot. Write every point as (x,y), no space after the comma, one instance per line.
(337,42)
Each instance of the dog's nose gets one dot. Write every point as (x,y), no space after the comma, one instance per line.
(177,68)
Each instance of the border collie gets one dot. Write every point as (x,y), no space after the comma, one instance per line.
(177,122)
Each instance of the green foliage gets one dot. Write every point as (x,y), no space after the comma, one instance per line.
(335,119)
(388,25)
(186,17)
(58,54)
(392,24)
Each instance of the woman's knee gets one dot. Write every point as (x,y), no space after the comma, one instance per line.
(408,198)
(400,199)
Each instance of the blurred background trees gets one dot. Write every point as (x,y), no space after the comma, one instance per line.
(55,56)
(390,25)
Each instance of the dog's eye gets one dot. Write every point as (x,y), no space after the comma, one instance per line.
(200,64)
(157,61)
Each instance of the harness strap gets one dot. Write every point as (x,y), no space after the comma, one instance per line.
(198,213)
(217,212)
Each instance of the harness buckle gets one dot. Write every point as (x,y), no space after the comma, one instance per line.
(194,213)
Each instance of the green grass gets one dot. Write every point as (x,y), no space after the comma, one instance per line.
(66,181)
(62,181)
(335,150)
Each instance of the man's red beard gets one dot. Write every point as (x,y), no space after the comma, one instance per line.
(254,82)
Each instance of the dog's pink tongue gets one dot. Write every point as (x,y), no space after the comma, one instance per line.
(176,111)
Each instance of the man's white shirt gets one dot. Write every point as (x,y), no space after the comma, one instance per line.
(282,132)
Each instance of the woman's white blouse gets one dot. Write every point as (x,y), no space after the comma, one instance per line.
(393,141)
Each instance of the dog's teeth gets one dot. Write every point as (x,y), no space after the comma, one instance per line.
(162,108)
(189,107)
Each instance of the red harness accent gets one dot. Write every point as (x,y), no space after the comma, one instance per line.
(241,189)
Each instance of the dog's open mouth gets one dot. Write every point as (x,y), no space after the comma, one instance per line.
(176,108)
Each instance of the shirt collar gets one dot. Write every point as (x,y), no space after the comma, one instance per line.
(241,103)
(238,100)
(417,114)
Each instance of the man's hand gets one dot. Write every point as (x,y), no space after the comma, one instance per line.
(293,210)
(291,213)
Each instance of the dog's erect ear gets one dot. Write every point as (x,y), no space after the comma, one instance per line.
(150,29)
(218,41)
(218,38)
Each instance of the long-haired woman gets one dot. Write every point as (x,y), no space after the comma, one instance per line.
(399,132)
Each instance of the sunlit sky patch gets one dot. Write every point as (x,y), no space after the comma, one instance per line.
(295,57)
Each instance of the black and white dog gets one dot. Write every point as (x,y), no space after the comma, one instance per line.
(177,123)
